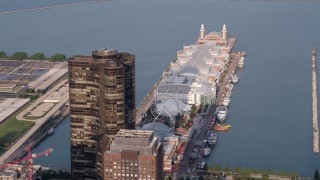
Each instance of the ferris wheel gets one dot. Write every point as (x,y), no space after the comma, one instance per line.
(165,111)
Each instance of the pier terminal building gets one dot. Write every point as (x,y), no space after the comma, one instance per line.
(192,78)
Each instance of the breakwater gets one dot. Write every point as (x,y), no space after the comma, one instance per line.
(315,104)
(51,7)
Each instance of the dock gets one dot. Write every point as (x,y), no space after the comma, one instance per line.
(315,104)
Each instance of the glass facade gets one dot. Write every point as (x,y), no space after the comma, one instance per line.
(102,101)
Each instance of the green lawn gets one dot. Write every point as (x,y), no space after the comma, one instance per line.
(12,128)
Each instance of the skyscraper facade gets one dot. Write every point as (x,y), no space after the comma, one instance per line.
(134,155)
(102,101)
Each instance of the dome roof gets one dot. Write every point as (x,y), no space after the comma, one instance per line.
(160,130)
(170,106)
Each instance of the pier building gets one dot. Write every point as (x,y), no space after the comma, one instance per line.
(192,78)
(134,154)
(102,101)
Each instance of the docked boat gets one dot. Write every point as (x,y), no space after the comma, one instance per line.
(222,127)
(206,151)
(50,132)
(244,53)
(222,112)
(180,157)
(234,79)
(202,165)
(226,101)
(230,87)
(241,62)
(228,94)
(212,137)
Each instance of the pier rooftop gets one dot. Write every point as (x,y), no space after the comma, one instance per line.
(193,76)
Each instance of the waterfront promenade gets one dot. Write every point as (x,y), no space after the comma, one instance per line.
(19,146)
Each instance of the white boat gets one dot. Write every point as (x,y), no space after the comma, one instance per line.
(206,151)
(202,165)
(180,157)
(230,87)
(212,137)
(222,112)
(226,101)
(241,62)
(228,94)
(50,132)
(234,79)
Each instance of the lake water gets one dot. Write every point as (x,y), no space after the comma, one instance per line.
(270,110)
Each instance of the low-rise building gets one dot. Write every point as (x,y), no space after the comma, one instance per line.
(134,155)
(11,90)
(19,172)
(169,148)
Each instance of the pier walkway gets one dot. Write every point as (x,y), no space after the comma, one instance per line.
(315,104)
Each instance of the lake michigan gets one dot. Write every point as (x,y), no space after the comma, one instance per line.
(270,109)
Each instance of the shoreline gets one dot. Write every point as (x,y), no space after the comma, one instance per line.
(51,7)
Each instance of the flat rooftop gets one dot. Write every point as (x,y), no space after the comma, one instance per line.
(36,74)
(134,133)
(8,106)
(172,88)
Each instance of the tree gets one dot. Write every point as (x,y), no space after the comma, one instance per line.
(38,56)
(226,168)
(193,108)
(19,56)
(244,171)
(211,168)
(274,172)
(57,57)
(218,168)
(237,170)
(316,175)
(2,54)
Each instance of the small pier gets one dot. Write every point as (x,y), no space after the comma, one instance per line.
(315,104)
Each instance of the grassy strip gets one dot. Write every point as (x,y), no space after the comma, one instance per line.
(12,128)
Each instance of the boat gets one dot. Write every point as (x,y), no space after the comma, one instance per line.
(222,127)
(230,87)
(222,112)
(228,94)
(180,157)
(212,137)
(202,165)
(234,79)
(50,132)
(241,62)
(226,101)
(206,151)
(244,53)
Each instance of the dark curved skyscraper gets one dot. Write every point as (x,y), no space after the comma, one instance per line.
(102,101)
